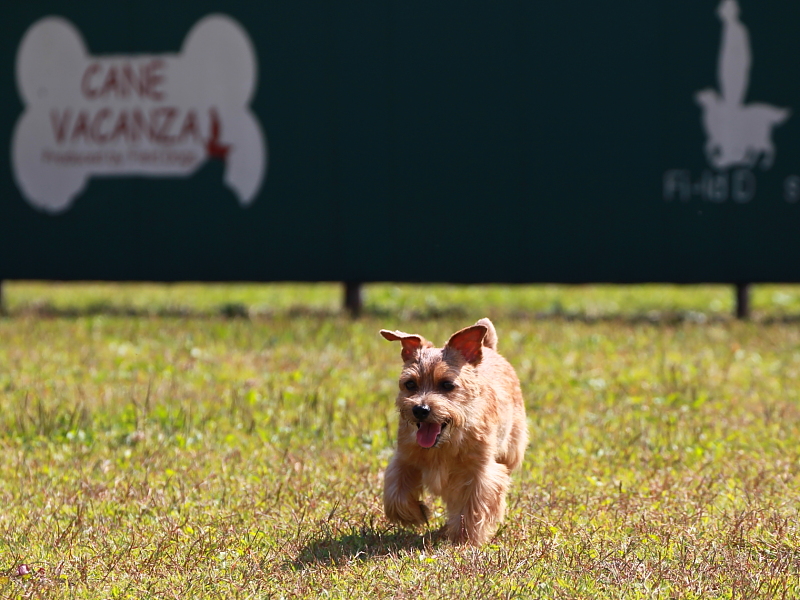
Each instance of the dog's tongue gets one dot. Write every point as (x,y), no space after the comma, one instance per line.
(426,434)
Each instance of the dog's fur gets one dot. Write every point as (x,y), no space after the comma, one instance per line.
(473,394)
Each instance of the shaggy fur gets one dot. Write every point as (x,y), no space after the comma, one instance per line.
(462,431)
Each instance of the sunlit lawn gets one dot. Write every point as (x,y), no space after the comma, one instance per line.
(229,441)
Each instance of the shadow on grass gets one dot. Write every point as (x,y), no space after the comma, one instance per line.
(361,545)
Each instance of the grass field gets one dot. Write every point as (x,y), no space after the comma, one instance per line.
(229,442)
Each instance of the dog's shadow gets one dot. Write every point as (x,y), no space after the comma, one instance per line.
(360,545)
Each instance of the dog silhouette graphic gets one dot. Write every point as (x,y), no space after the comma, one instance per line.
(738,134)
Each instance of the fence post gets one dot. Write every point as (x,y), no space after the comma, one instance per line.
(353,298)
(743,301)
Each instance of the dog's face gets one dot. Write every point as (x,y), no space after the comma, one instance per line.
(438,385)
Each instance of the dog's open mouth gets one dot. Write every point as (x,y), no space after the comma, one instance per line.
(428,433)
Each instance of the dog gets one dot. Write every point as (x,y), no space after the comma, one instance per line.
(462,431)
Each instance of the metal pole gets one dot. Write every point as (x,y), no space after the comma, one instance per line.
(2,304)
(743,301)
(353,298)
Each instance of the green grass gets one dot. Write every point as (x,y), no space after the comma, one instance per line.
(588,302)
(151,446)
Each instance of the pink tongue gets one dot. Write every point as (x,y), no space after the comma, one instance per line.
(426,434)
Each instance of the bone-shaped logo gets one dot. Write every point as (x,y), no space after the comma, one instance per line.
(140,115)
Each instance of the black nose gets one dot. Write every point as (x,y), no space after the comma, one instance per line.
(421,411)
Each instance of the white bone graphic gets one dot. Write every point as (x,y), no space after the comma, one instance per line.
(738,134)
(138,115)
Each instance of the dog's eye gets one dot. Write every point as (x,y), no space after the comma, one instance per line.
(410,385)
(448,386)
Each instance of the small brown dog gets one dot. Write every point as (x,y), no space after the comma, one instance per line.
(462,431)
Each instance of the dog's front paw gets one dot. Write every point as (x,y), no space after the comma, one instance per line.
(456,531)
(407,513)
(463,533)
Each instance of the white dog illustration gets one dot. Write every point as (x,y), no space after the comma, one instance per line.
(738,134)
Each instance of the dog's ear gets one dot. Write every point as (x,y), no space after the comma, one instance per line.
(411,342)
(469,343)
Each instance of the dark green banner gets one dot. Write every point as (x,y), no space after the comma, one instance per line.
(410,141)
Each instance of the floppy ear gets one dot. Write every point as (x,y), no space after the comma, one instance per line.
(469,343)
(411,342)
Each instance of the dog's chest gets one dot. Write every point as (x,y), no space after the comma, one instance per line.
(435,478)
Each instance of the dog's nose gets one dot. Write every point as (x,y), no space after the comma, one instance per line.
(421,411)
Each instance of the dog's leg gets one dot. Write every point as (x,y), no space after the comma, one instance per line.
(517,440)
(478,507)
(402,494)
